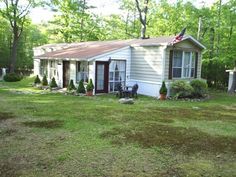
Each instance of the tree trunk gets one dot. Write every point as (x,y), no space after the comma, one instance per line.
(13,55)
(143,17)
(82,22)
(143,31)
(210,72)
(199,28)
(218,26)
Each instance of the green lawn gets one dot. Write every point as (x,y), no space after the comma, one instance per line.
(48,134)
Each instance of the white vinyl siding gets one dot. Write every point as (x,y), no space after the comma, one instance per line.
(121,54)
(146,64)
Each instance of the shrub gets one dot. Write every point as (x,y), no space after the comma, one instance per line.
(53,83)
(12,77)
(163,89)
(37,80)
(71,86)
(90,85)
(199,88)
(181,89)
(81,88)
(44,81)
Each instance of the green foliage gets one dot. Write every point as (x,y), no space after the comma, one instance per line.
(37,80)
(30,37)
(71,86)
(53,83)
(12,77)
(81,88)
(214,71)
(181,89)
(199,88)
(91,83)
(73,22)
(44,81)
(90,86)
(163,89)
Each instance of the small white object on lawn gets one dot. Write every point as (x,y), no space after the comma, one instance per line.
(126,101)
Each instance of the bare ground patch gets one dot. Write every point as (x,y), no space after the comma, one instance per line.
(45,124)
(6,115)
(186,140)
(211,114)
(8,132)
(8,169)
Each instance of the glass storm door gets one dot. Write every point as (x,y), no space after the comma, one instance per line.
(101,83)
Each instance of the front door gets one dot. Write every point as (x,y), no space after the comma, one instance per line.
(101,83)
(66,73)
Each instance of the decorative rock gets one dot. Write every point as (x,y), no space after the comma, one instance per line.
(126,101)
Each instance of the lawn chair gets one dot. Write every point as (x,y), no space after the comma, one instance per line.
(133,93)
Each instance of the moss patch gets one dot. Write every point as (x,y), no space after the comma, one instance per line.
(45,124)
(185,140)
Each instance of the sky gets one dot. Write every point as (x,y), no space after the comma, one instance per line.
(104,8)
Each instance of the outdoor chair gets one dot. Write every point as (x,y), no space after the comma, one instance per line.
(133,93)
(120,90)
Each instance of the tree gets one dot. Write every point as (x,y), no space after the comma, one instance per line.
(143,16)
(15,12)
(74,22)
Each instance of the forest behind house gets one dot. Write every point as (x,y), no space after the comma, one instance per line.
(75,21)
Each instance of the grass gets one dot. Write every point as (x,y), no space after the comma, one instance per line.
(50,134)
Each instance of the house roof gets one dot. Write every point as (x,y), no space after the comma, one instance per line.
(86,50)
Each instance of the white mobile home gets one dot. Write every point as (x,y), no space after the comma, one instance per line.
(146,62)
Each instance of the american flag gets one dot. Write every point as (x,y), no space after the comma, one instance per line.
(179,37)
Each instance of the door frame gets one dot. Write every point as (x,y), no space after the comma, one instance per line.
(65,82)
(106,76)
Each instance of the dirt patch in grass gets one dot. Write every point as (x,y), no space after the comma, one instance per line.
(8,132)
(213,114)
(8,169)
(6,115)
(45,124)
(175,172)
(186,140)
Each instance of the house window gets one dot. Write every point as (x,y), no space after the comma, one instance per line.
(52,69)
(116,74)
(43,67)
(183,64)
(82,71)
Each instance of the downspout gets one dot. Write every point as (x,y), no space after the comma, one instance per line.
(163,62)
(163,67)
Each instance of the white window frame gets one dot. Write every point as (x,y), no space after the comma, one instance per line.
(182,67)
(52,72)
(43,67)
(113,79)
(82,73)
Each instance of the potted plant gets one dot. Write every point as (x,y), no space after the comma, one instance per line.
(163,91)
(90,88)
